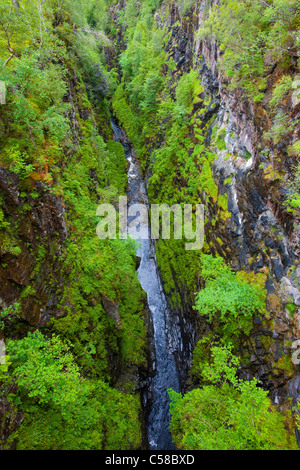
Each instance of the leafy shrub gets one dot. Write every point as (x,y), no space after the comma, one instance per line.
(227,414)
(187,92)
(63,410)
(247,33)
(228,300)
(282,87)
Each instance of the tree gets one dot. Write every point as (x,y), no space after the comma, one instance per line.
(63,410)
(229,300)
(249,31)
(227,414)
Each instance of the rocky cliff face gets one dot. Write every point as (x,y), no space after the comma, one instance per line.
(260,235)
(257,233)
(34,276)
(44,225)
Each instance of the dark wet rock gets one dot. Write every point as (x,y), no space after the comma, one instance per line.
(9,183)
(112,311)
(44,224)
(10,420)
(138,262)
(278,268)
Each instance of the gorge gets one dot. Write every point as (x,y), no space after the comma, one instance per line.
(113,345)
(166,375)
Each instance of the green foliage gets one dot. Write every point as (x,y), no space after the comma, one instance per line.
(292,201)
(56,105)
(184,5)
(18,162)
(56,129)
(228,299)
(187,92)
(38,366)
(3,223)
(249,33)
(220,142)
(37,114)
(63,410)
(222,368)
(282,87)
(8,238)
(235,415)
(207,181)
(127,119)
(298,415)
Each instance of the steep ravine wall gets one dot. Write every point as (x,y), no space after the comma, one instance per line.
(260,235)
(35,278)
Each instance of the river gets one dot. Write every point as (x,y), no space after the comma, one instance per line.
(166,374)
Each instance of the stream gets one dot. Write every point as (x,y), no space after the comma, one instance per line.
(166,374)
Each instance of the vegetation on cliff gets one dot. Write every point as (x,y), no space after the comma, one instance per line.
(227,413)
(56,140)
(172,120)
(72,310)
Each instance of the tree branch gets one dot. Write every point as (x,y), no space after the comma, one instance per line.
(8,59)
(263,1)
(11,50)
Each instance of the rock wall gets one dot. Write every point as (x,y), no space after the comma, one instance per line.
(44,224)
(33,271)
(260,235)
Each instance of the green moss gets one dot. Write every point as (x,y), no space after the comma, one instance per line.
(207,181)
(292,309)
(228,181)
(223,201)
(284,364)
